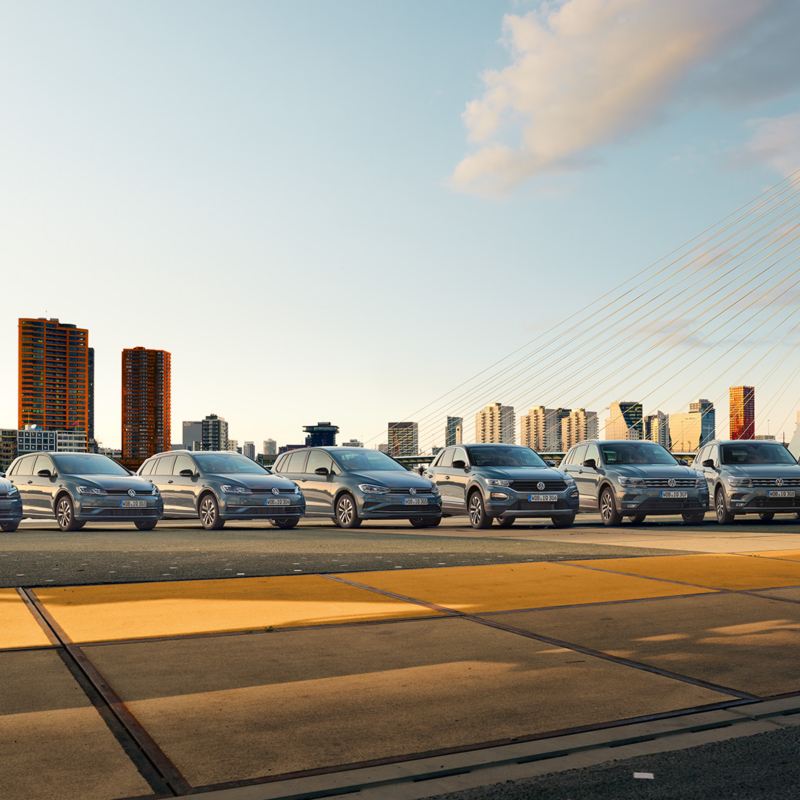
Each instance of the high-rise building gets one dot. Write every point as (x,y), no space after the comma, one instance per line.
(625,421)
(33,439)
(233,446)
(8,447)
(742,412)
(383,448)
(192,435)
(249,450)
(691,430)
(540,428)
(90,366)
(323,434)
(454,432)
(578,426)
(656,428)
(495,423)
(214,433)
(54,388)
(403,439)
(708,413)
(353,443)
(270,447)
(146,404)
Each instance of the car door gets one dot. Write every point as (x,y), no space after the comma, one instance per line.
(22,478)
(457,478)
(182,489)
(294,468)
(161,476)
(711,474)
(440,474)
(41,486)
(317,488)
(585,477)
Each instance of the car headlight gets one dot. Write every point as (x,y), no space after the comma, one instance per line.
(740,481)
(434,489)
(89,490)
(624,480)
(13,491)
(700,483)
(296,489)
(154,490)
(229,489)
(369,488)
(497,482)
(568,479)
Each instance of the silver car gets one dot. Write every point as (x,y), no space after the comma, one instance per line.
(77,488)
(748,476)
(10,506)
(216,486)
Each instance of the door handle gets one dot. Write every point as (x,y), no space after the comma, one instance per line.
(447,477)
(170,481)
(30,482)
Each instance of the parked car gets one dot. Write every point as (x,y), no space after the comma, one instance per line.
(217,486)
(351,484)
(503,482)
(10,506)
(77,488)
(748,476)
(635,479)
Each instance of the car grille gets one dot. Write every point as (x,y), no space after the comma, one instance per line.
(407,492)
(654,505)
(533,486)
(774,482)
(123,513)
(664,483)
(269,491)
(145,492)
(773,502)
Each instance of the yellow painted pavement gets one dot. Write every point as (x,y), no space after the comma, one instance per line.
(18,628)
(785,555)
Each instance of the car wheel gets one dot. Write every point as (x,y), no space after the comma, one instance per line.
(506,522)
(638,519)
(208,511)
(724,516)
(145,524)
(9,527)
(65,514)
(563,522)
(693,517)
(347,512)
(767,516)
(477,511)
(608,508)
(287,523)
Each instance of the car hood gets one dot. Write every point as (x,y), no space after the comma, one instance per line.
(653,471)
(394,479)
(762,470)
(265,481)
(111,482)
(519,473)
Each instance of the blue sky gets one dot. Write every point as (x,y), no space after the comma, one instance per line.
(270,190)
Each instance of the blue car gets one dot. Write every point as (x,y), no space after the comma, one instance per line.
(10,506)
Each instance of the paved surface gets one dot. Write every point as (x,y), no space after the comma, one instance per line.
(163,687)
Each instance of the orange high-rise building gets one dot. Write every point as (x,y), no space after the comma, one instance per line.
(146,404)
(742,412)
(54,388)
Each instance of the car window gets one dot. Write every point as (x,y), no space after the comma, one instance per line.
(702,455)
(446,458)
(182,462)
(578,453)
(317,459)
(147,467)
(25,466)
(43,462)
(592,451)
(164,466)
(569,458)
(460,454)
(297,461)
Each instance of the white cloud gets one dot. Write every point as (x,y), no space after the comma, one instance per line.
(584,73)
(775,141)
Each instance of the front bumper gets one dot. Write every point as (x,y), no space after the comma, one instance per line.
(107,508)
(10,509)
(506,502)
(393,506)
(635,501)
(757,501)
(256,506)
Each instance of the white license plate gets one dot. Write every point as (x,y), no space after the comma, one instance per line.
(278,501)
(416,501)
(781,493)
(670,495)
(542,498)
(134,503)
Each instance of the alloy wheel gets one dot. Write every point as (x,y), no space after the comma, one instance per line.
(64,513)
(605,506)
(345,511)
(475,508)
(208,512)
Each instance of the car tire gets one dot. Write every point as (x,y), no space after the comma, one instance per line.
(767,516)
(608,508)
(145,524)
(287,523)
(65,514)
(506,522)
(9,527)
(347,512)
(476,509)
(563,522)
(724,515)
(693,517)
(638,519)
(208,512)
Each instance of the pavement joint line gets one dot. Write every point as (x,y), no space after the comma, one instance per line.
(153,764)
(649,577)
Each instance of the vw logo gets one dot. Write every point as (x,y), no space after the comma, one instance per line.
(412,490)
(540,485)
(671,482)
(779,481)
(132,492)
(275,490)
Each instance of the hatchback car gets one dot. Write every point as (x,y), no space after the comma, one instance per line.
(748,476)
(634,479)
(78,488)
(10,506)
(216,486)
(352,484)
(503,482)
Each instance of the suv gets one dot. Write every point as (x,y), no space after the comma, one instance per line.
(634,479)
(748,476)
(503,482)
(351,484)
(10,506)
(217,486)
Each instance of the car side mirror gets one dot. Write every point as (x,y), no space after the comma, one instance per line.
(459,464)
(44,473)
(709,462)
(549,462)
(187,473)
(322,471)
(590,463)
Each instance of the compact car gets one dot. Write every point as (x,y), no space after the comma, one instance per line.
(10,506)
(502,482)
(352,484)
(635,479)
(750,476)
(77,488)
(216,486)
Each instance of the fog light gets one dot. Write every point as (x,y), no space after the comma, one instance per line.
(499,496)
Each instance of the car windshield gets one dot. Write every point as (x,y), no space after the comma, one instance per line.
(635,453)
(227,464)
(360,459)
(88,464)
(503,456)
(755,453)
